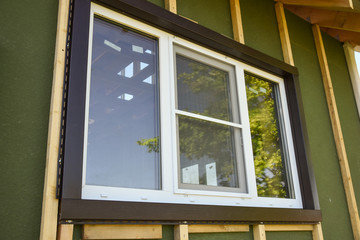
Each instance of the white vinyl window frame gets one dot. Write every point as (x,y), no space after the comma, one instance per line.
(170,191)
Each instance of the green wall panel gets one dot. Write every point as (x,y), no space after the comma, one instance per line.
(160,3)
(345,101)
(77,234)
(336,222)
(27,41)
(260,26)
(213,14)
(288,235)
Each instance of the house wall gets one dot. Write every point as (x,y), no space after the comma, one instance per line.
(27,42)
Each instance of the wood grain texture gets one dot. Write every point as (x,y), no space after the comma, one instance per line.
(288,228)
(122,232)
(284,34)
(259,232)
(236,21)
(170,5)
(338,136)
(181,232)
(217,228)
(49,213)
(65,232)
(317,232)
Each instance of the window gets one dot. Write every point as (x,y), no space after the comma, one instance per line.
(204,156)
(164,120)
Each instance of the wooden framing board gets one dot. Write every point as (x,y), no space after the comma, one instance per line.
(259,232)
(110,231)
(236,21)
(49,213)
(289,228)
(171,6)
(338,136)
(320,3)
(217,228)
(317,233)
(354,74)
(284,34)
(65,232)
(181,232)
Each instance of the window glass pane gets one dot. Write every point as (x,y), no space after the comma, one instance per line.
(205,90)
(267,140)
(207,153)
(123,126)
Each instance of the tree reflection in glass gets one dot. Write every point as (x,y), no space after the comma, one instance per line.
(267,142)
(210,152)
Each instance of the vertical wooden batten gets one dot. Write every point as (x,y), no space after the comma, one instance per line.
(236,21)
(284,34)
(48,228)
(65,232)
(338,136)
(317,233)
(181,232)
(354,74)
(259,232)
(170,5)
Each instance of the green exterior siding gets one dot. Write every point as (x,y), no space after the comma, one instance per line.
(260,26)
(322,146)
(213,14)
(27,43)
(345,101)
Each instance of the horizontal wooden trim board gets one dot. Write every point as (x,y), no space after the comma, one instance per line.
(122,232)
(290,228)
(217,228)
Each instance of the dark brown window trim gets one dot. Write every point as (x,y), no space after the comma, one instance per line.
(73,208)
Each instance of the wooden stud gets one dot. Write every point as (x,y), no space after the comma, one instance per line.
(259,232)
(217,228)
(320,3)
(317,232)
(181,232)
(65,232)
(109,231)
(50,203)
(236,21)
(289,228)
(338,136)
(284,34)
(170,5)
(353,71)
